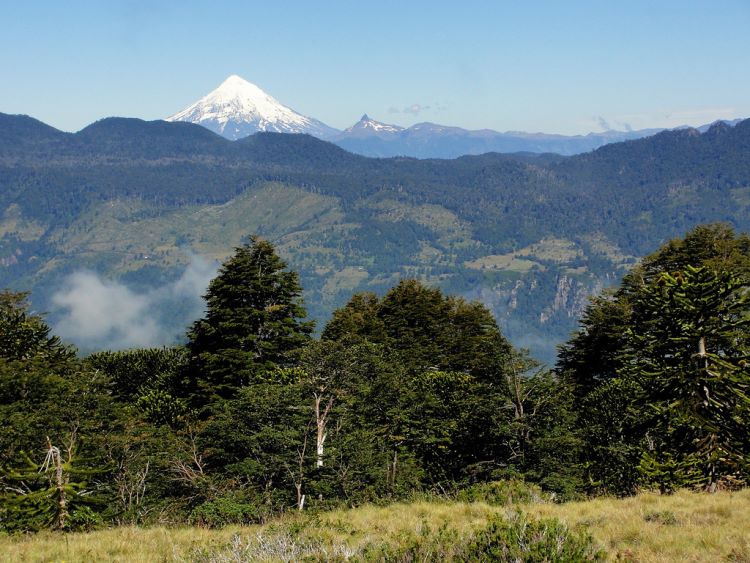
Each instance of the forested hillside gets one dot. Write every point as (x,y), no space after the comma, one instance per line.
(531,236)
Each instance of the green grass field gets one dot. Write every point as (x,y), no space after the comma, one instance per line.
(682,527)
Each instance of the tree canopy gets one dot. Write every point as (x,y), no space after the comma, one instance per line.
(668,352)
(428,329)
(412,391)
(253,322)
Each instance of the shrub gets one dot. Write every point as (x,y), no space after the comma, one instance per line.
(83,519)
(666,517)
(502,493)
(520,539)
(503,539)
(224,511)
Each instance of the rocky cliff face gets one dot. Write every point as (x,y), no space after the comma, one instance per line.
(531,311)
(571,297)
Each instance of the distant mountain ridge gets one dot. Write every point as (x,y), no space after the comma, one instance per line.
(431,140)
(238,108)
(367,127)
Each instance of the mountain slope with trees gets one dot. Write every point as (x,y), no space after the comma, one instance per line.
(531,236)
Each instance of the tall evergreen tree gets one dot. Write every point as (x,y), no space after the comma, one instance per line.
(254,321)
(689,345)
(658,367)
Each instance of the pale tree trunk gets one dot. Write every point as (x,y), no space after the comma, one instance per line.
(702,356)
(518,397)
(53,457)
(321,422)
(521,390)
(395,466)
(298,478)
(321,441)
(391,468)
(62,500)
(300,497)
(712,438)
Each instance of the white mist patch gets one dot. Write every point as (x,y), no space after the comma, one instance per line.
(100,311)
(97,314)
(194,280)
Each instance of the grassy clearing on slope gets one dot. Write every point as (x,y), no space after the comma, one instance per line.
(133,227)
(502,262)
(741,196)
(552,250)
(548,250)
(600,245)
(682,527)
(444,223)
(13,223)
(344,280)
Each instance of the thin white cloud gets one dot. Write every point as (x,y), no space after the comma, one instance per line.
(666,119)
(105,312)
(412,109)
(603,123)
(96,313)
(415,109)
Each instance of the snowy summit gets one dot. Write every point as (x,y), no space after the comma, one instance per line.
(238,108)
(368,126)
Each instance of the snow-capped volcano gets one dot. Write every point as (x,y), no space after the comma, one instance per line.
(238,108)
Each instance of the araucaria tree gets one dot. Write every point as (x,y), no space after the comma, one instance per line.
(253,323)
(688,348)
(49,402)
(660,368)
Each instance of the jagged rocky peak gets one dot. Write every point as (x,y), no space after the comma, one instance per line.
(366,124)
(238,108)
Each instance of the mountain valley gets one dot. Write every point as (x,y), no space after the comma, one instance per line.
(530,236)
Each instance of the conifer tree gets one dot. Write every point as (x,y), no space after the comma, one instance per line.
(659,368)
(24,335)
(46,495)
(254,322)
(38,375)
(593,356)
(689,341)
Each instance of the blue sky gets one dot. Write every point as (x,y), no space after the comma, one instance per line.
(554,66)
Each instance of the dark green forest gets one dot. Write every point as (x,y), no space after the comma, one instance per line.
(412,392)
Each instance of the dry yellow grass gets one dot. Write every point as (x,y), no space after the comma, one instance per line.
(650,527)
(375,524)
(682,527)
(125,544)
